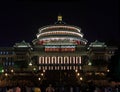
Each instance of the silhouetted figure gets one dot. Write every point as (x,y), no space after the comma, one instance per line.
(18,89)
(50,89)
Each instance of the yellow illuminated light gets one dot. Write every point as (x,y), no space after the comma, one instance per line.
(2,71)
(34,69)
(41,74)
(66,27)
(59,18)
(43,70)
(59,32)
(89,63)
(81,78)
(108,70)
(6,74)
(76,70)
(12,70)
(78,74)
(30,64)
(39,78)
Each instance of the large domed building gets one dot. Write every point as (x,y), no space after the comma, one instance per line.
(58,55)
(59,34)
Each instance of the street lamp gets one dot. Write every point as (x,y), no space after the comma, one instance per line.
(108,70)
(12,70)
(76,70)
(43,70)
(89,63)
(41,74)
(34,68)
(2,70)
(78,74)
(81,78)
(6,74)
(39,78)
(30,64)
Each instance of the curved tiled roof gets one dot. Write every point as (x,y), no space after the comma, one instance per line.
(58,31)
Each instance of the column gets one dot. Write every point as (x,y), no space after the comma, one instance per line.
(42,60)
(46,60)
(80,60)
(39,60)
(77,60)
(70,62)
(73,60)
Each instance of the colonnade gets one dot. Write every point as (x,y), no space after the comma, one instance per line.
(60,62)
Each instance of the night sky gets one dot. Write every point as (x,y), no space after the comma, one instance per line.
(20,20)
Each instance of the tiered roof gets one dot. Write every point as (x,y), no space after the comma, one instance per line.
(59,31)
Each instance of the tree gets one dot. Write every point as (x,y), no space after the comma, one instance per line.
(114,67)
(1,68)
(21,64)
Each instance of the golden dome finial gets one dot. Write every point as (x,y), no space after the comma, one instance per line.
(59,18)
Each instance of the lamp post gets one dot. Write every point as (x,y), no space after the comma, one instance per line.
(30,64)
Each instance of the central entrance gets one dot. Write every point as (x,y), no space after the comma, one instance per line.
(60,70)
(60,77)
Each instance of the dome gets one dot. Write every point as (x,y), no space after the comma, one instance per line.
(59,32)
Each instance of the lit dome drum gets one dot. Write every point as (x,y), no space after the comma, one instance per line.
(59,33)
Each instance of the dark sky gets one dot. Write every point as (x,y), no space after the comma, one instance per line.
(20,20)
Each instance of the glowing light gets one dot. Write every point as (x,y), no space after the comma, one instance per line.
(41,74)
(76,70)
(78,74)
(65,27)
(2,71)
(59,38)
(108,70)
(23,46)
(89,63)
(30,64)
(39,78)
(80,60)
(81,78)
(34,68)
(6,74)
(60,32)
(12,70)
(59,18)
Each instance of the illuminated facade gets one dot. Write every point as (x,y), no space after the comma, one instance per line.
(59,47)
